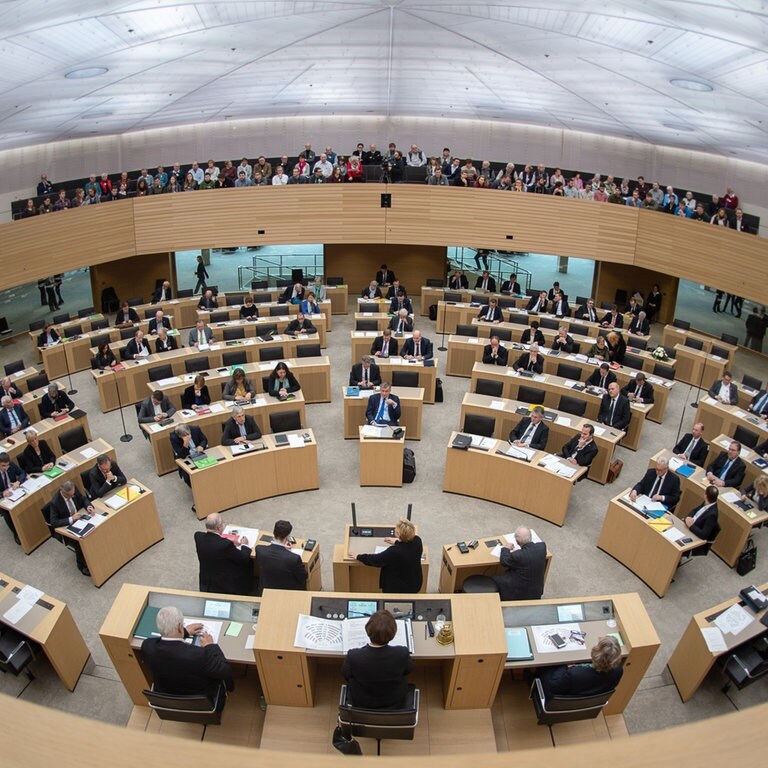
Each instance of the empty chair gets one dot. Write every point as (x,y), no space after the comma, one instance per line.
(578,330)
(184,293)
(670,352)
(219,317)
(606,304)
(720,351)
(15,652)
(63,318)
(466,330)
(197,364)
(88,311)
(262,298)
(693,343)
(683,324)
(565,709)
(198,709)
(506,302)
(123,353)
(37,381)
(633,361)
(566,371)
(728,338)
(450,296)
(283,282)
(531,395)
(581,301)
(504,334)
(489,387)
(752,382)
(14,367)
(127,333)
(85,480)
(368,306)
(434,282)
(477,584)
(549,322)
(160,372)
(264,387)
(366,324)
(514,317)
(72,439)
(230,334)
(234,299)
(267,329)
(664,371)
(639,343)
(405,379)
(258,285)
(334,281)
(133,302)
(478,298)
(279,310)
(284,421)
(308,350)
(746,437)
(237,357)
(97,325)
(271,353)
(149,313)
(572,405)
(37,325)
(479,425)
(74,330)
(745,665)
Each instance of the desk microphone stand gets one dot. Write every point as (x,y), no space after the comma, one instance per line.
(72,390)
(442,347)
(125,437)
(695,403)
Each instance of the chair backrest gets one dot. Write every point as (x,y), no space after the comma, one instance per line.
(86,481)
(728,338)
(504,334)
(14,367)
(489,387)
(434,282)
(746,436)
(127,333)
(37,381)
(564,709)
(267,329)
(752,382)
(97,325)
(88,311)
(518,319)
(279,310)
(271,353)
(72,439)
(134,301)
(671,352)
(74,330)
(219,317)
(506,302)
(264,384)
(370,306)
(466,330)
(197,364)
(549,322)
(639,343)
(572,405)
(479,425)
(405,379)
(664,371)
(262,298)
(578,330)
(259,285)
(633,361)
(236,357)
(284,421)
(185,293)
(531,395)
(124,353)
(234,299)
(15,652)
(37,325)
(478,298)
(160,372)
(367,324)
(197,709)
(566,371)
(451,296)
(581,301)
(693,343)
(149,313)
(308,350)
(684,324)
(98,341)
(230,334)
(282,282)
(720,351)
(379,724)
(334,281)
(606,305)
(62,318)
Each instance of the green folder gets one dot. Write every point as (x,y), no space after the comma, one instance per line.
(208,461)
(53,472)
(147,626)
(518,644)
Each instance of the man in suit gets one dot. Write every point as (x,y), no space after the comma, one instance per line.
(601,377)
(240,428)
(11,477)
(485,283)
(383,407)
(537,303)
(418,347)
(155,408)
(308,306)
(759,404)
(9,389)
(200,334)
(633,308)
(612,319)
(159,321)
(181,668)
(702,520)
(494,353)
(581,449)
(615,409)
(385,275)
(126,315)
(67,506)
(12,417)
(55,402)
(639,391)
(187,442)
(533,334)
(163,293)
(104,477)
(401,323)
(727,470)
(137,347)
(640,325)
(554,290)
(279,567)
(490,313)
(225,565)
(208,301)
(560,306)
(658,484)
(372,291)
(692,446)
(458,281)
(399,302)
(587,311)
(293,294)
(365,374)
(164,343)
(724,390)
(384,345)
(47,337)
(563,342)
(395,289)
(531,431)
(525,564)
(511,285)
(300,324)
(530,361)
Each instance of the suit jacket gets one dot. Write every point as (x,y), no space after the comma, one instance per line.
(374,401)
(224,566)
(378,345)
(5,420)
(42,338)
(383,276)
(58,507)
(524,363)
(699,453)
(462,283)
(491,283)
(48,406)
(300,327)
(153,324)
(490,314)
(356,375)
(585,456)
(646,391)
(188,396)
(31,462)
(15,474)
(132,348)
(177,444)
(232,430)
(205,303)
(193,336)
(564,345)
(376,677)
(619,320)
(279,568)
(396,305)
(293,384)
(564,309)
(533,301)
(167,345)
(147,410)
(622,413)
(98,484)
(392,294)
(507,287)
(366,294)
(640,328)
(229,389)
(159,292)
(502,355)
(305,307)
(578,680)
(756,400)
(595,379)
(394,323)
(123,318)
(735,475)
(538,337)
(669,488)
(705,526)
(12,392)
(524,577)
(540,434)
(426,348)
(733,393)
(400,566)
(583,313)
(184,669)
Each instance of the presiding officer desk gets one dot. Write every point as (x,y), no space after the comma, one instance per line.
(526,485)
(411,402)
(49,625)
(255,327)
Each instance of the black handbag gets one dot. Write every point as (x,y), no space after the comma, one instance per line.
(747,559)
(345,743)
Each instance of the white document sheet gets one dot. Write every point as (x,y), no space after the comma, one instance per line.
(318,634)
(734,620)
(714,639)
(213,628)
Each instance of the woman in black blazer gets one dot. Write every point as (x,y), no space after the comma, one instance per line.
(400,563)
(105,357)
(653,303)
(282,382)
(196,394)
(600,676)
(376,673)
(37,456)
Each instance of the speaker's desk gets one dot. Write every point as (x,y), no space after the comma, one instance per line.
(48,430)
(482,560)
(124,533)
(362,342)
(381,460)
(720,418)
(349,575)
(562,427)
(48,623)
(673,336)
(26,513)
(427,373)
(694,366)
(692,660)
(630,538)
(240,478)
(470,667)
(526,485)
(255,327)
(211,422)
(411,402)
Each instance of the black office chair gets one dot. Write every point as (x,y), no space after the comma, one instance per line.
(159,372)
(265,383)
(308,350)
(334,281)
(184,293)
(567,371)
(98,325)
(693,343)
(262,298)
(489,387)
(506,302)
(380,724)
(745,665)
(149,313)
(197,364)
(639,343)
(504,334)
(37,381)
(752,382)
(450,296)
(728,338)
(466,330)
(98,341)
(37,325)
(267,329)
(670,352)
(572,405)
(720,351)
(664,371)
(434,282)
(684,324)
(746,437)
(134,301)
(479,425)
(197,709)
(517,319)
(219,317)
(606,305)
(367,324)
(531,395)
(633,361)
(258,285)
(127,333)
(580,301)
(72,439)
(230,334)
(88,311)
(75,330)
(279,310)
(283,282)
(236,357)
(369,306)
(549,322)
(477,584)
(16,653)
(122,353)
(234,299)
(565,709)
(578,330)
(86,482)
(14,367)
(271,353)
(405,379)
(284,421)
(62,318)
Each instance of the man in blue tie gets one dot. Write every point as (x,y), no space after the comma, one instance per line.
(383,407)
(759,404)
(727,470)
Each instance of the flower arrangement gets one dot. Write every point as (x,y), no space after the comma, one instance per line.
(660,354)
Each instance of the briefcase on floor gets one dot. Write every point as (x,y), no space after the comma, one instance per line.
(409,465)
(747,559)
(614,470)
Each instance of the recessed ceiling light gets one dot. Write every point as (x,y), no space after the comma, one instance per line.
(80,74)
(690,85)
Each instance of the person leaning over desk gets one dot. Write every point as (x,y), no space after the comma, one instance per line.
(196,395)
(239,388)
(400,563)
(225,564)
(67,506)
(523,578)
(279,567)
(248,310)
(155,408)
(658,484)
(757,493)
(282,382)
(591,679)
(55,402)
(104,357)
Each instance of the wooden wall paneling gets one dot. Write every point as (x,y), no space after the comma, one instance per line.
(135,276)
(620,276)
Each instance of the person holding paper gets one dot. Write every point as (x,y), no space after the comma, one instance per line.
(400,563)
(376,673)
(137,347)
(383,407)
(225,563)
(37,456)
(494,353)
(239,388)
(531,431)
(200,334)
(55,402)
(728,469)
(196,395)
(279,567)
(68,506)
(525,565)
(600,676)
(282,382)
(757,493)
(581,449)
(692,446)
(156,407)
(659,484)
(104,477)
(724,390)
(11,477)
(240,428)
(12,417)
(702,520)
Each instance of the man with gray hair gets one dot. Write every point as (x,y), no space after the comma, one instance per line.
(365,374)
(241,428)
(182,668)
(225,562)
(67,506)
(525,564)
(658,484)
(55,403)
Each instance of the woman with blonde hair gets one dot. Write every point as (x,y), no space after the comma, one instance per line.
(598,676)
(400,563)
(757,493)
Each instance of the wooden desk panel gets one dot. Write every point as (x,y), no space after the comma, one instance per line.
(353,576)
(673,336)
(362,342)
(697,367)
(338,296)
(427,374)
(48,430)
(381,461)
(253,328)
(411,402)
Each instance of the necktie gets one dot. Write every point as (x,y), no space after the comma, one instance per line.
(610,415)
(529,433)
(13,418)
(530,363)
(417,350)
(485,285)
(71,507)
(638,390)
(382,408)
(365,375)
(656,487)
(760,405)
(724,470)
(602,382)
(559,310)
(691,445)
(243,433)
(385,348)
(400,327)
(6,481)
(591,315)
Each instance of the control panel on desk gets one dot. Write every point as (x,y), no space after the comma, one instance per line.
(343,608)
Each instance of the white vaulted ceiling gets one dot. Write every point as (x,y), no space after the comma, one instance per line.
(591,66)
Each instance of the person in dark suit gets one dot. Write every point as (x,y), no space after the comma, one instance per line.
(372,291)
(196,394)
(376,673)
(385,275)
(163,293)
(249,311)
(55,402)
(601,676)
(759,404)
(560,306)
(200,334)
(494,353)
(563,342)
(531,431)
(11,477)
(104,477)
(640,325)
(159,321)
(293,294)
(538,303)
(511,285)
(587,311)
(383,407)
(365,374)
(581,449)
(13,418)
(692,446)
(400,563)
(384,345)
(104,358)
(702,519)
(530,361)
(658,484)
(279,567)
(225,565)
(458,281)
(67,506)
(485,282)
(156,408)
(491,313)
(612,319)
(9,389)
(525,564)
(533,335)
(601,377)
(395,289)
(724,390)
(37,456)
(418,347)
(614,408)
(187,442)
(299,324)
(633,308)
(554,290)
(164,342)
(282,382)
(240,428)
(400,301)
(48,336)
(208,301)
(182,668)
(639,390)
(137,347)
(727,470)
(126,315)
(401,323)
